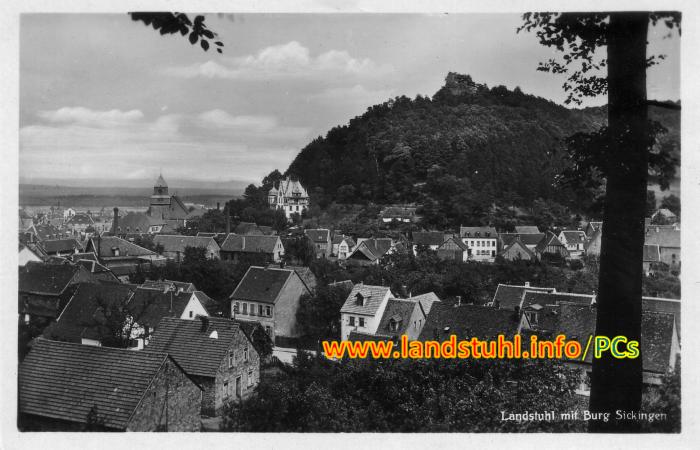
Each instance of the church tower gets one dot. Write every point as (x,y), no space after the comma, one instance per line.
(160,200)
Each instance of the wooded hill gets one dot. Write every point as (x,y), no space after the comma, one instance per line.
(464,149)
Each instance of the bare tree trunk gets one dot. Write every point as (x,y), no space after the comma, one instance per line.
(617,383)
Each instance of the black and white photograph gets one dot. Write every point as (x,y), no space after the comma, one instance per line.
(349,220)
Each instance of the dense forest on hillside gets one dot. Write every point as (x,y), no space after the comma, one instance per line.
(458,153)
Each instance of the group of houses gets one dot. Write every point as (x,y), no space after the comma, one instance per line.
(373,313)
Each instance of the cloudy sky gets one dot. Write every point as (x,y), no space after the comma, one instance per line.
(105,98)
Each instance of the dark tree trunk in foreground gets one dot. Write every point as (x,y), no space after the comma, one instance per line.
(617,383)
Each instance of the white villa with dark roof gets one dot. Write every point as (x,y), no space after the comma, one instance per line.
(289,196)
(482,242)
(575,242)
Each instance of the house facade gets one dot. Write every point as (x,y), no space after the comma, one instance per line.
(216,353)
(342,246)
(482,242)
(289,196)
(668,239)
(270,296)
(234,246)
(517,251)
(363,309)
(321,240)
(453,249)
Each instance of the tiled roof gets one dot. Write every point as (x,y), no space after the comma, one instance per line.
(426,301)
(162,284)
(554,298)
(458,242)
(519,243)
(149,306)
(339,238)
(574,236)
(483,232)
(665,305)
(160,182)
(288,186)
(578,322)
(467,321)
(249,243)
(178,242)
(398,211)
(651,253)
(373,249)
(509,296)
(189,343)
(428,238)
(665,212)
(306,275)
(210,305)
(373,297)
(399,311)
(527,239)
(80,219)
(126,248)
(61,245)
(65,381)
(262,284)
(527,229)
(85,314)
(42,278)
(664,237)
(550,239)
(137,222)
(319,236)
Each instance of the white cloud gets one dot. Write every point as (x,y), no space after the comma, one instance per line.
(84,116)
(80,145)
(290,60)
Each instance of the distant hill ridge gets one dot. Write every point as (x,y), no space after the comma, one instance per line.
(503,144)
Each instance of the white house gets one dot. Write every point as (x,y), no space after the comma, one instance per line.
(482,242)
(574,241)
(363,309)
(342,246)
(289,196)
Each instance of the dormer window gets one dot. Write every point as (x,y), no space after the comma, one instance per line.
(359,299)
(394,324)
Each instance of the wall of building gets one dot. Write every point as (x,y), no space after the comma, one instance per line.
(172,391)
(248,371)
(286,306)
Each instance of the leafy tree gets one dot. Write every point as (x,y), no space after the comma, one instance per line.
(317,395)
(622,153)
(174,23)
(665,399)
(318,312)
(673,204)
(299,250)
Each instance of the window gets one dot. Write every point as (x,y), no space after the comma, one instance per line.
(245,353)
(268,311)
(191,314)
(359,299)
(224,392)
(268,330)
(352,321)
(245,308)
(393,325)
(250,378)
(236,307)
(252,309)
(260,310)
(230,358)
(362,321)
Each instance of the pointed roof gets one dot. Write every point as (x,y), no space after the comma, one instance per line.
(160,182)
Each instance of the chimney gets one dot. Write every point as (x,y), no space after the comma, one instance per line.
(204,324)
(527,284)
(115,222)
